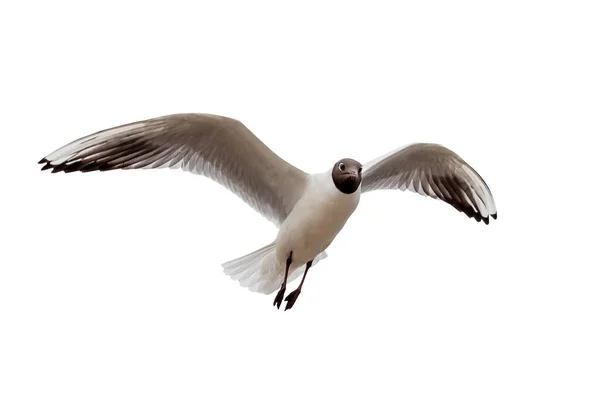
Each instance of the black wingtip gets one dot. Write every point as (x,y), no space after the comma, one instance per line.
(59,168)
(43,161)
(486,220)
(495,215)
(47,166)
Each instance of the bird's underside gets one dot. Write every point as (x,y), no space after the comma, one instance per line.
(224,150)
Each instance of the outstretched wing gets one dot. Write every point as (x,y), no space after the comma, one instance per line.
(435,171)
(220,148)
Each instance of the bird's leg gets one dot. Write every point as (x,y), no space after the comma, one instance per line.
(291,298)
(279,297)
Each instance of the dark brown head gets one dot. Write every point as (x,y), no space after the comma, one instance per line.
(347,174)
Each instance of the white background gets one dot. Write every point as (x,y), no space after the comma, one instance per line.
(111,285)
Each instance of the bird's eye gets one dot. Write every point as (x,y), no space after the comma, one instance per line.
(359,170)
(342,166)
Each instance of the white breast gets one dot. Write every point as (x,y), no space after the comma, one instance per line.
(315,220)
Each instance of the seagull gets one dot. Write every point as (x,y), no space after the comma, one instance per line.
(309,210)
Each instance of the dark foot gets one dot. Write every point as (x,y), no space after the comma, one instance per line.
(291,299)
(279,298)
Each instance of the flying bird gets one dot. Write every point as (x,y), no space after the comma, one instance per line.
(309,210)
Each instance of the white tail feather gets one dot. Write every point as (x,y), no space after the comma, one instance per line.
(259,272)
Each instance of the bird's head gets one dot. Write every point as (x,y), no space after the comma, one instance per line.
(347,175)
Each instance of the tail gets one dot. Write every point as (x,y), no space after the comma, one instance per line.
(259,272)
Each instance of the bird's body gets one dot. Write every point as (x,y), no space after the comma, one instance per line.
(314,222)
(309,209)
